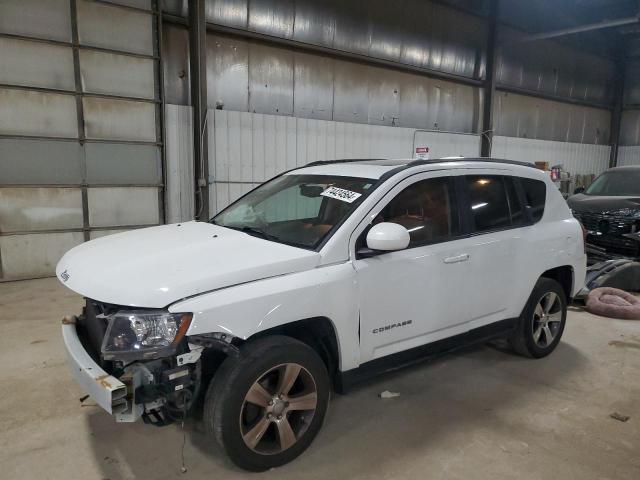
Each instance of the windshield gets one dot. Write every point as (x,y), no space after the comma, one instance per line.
(298,210)
(619,183)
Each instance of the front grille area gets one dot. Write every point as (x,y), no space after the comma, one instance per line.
(606,231)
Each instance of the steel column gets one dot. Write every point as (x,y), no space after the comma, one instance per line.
(489,84)
(616,114)
(198,67)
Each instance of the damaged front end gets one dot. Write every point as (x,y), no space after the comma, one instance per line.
(611,234)
(138,363)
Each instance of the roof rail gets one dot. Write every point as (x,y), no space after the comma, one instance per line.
(477,159)
(344,160)
(415,163)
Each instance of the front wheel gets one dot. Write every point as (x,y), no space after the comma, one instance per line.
(266,406)
(542,321)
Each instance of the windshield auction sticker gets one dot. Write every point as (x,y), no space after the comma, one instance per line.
(341,194)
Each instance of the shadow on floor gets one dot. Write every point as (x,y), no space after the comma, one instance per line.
(453,392)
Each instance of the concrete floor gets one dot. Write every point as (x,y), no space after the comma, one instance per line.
(478,414)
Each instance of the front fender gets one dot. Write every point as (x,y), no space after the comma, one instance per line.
(250,308)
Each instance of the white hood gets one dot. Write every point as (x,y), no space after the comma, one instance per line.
(154,267)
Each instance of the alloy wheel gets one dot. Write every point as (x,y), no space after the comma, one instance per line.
(278,409)
(547,318)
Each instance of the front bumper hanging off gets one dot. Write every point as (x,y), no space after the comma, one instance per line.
(107,391)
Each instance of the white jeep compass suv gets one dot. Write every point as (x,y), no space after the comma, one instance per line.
(319,278)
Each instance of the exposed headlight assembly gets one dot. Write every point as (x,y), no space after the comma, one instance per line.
(143,334)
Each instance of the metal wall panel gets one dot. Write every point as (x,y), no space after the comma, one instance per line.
(122,75)
(106,118)
(179,192)
(144,4)
(36,18)
(104,233)
(577,158)
(34,255)
(36,113)
(384,97)
(123,164)
(105,26)
(629,155)
(250,148)
(227,73)
(179,8)
(123,206)
(231,13)
(44,162)
(313,86)
(30,209)
(630,127)
(554,69)
(272,17)
(350,92)
(326,88)
(423,34)
(175,51)
(36,64)
(632,82)
(315,22)
(529,117)
(270,80)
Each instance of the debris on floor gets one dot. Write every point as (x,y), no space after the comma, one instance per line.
(388,394)
(619,417)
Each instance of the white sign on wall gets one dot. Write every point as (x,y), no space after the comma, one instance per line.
(422,153)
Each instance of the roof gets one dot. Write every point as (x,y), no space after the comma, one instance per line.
(626,167)
(376,169)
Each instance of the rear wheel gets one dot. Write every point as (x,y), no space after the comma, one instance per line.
(266,406)
(542,321)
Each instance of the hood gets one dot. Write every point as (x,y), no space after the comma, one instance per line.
(154,267)
(602,204)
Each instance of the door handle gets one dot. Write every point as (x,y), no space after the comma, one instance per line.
(458,258)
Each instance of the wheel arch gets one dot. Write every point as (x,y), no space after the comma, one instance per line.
(319,333)
(564,275)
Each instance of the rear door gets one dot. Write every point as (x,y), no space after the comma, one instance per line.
(494,218)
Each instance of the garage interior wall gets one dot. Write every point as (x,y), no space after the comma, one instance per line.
(629,152)
(297,81)
(80,147)
(86,122)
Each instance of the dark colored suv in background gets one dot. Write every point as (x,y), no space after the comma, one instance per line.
(609,210)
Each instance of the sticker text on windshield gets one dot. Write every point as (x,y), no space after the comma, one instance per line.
(341,194)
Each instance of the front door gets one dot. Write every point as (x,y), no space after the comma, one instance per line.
(414,296)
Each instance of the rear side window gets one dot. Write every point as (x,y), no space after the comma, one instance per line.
(489,202)
(535,193)
(516,208)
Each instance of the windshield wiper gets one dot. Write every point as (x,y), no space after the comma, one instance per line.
(256,232)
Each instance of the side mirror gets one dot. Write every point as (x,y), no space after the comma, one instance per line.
(578,190)
(388,237)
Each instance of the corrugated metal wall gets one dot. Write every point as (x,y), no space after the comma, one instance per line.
(245,75)
(629,155)
(629,151)
(577,158)
(80,147)
(535,118)
(249,148)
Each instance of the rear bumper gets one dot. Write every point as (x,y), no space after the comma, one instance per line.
(106,390)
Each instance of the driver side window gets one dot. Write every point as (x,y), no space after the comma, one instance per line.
(427,209)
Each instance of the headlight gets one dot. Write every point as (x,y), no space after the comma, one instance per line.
(140,334)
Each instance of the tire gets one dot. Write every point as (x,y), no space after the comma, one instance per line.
(255,436)
(539,321)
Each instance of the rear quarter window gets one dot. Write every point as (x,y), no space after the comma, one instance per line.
(535,195)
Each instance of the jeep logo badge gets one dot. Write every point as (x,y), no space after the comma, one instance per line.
(64,276)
